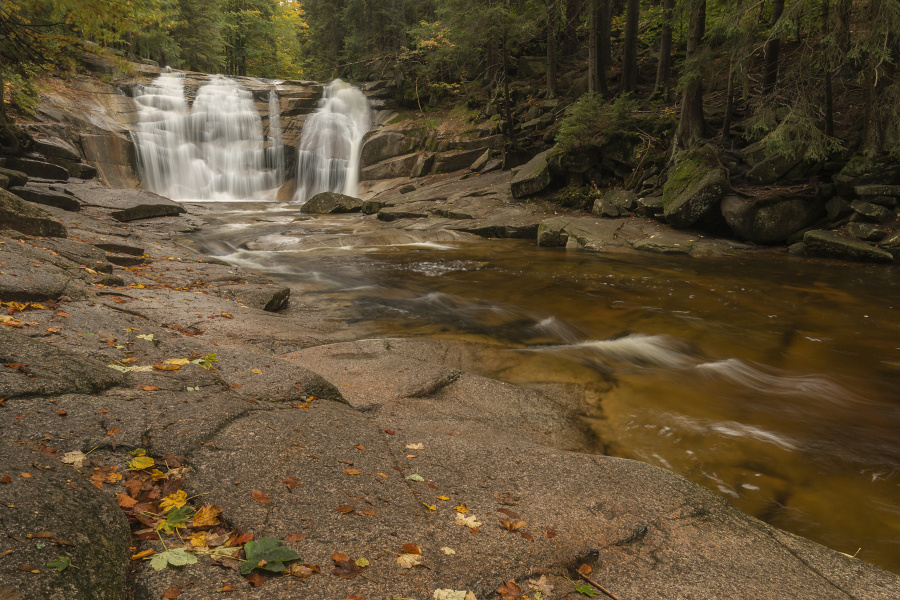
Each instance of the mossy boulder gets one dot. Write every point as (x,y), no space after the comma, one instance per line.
(533,178)
(693,188)
(771,219)
(834,245)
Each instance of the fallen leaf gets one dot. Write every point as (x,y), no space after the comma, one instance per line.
(255,579)
(442,497)
(260,497)
(114,431)
(368,512)
(269,554)
(408,561)
(352,471)
(143,554)
(343,567)
(510,591)
(541,585)
(453,595)
(171,593)
(469,521)
(415,477)
(390,432)
(226,315)
(26,475)
(362,563)
(125,501)
(198,540)
(148,388)
(551,532)
(177,557)
(585,569)
(291,482)
(207,516)
(430,506)
(509,513)
(165,367)
(295,537)
(61,412)
(415,446)
(345,509)
(176,361)
(511,525)
(257,371)
(360,447)
(461,508)
(302,571)
(411,549)
(176,500)
(6,479)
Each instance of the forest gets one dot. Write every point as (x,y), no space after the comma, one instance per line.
(809,78)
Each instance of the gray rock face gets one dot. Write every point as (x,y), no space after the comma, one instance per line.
(692,195)
(481,161)
(872,212)
(50,370)
(649,206)
(115,158)
(383,145)
(878,190)
(128,205)
(24,217)
(47,197)
(769,220)
(837,208)
(401,166)
(834,245)
(533,178)
(615,203)
(328,203)
(59,500)
(447,162)
(57,148)
(39,169)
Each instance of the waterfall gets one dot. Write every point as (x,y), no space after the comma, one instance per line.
(328,158)
(213,151)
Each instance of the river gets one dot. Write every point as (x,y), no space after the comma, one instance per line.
(770,380)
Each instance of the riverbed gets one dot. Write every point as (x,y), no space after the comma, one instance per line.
(771,380)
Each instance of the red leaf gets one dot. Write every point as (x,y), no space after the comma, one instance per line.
(551,532)
(345,509)
(260,497)
(389,432)
(412,549)
(241,539)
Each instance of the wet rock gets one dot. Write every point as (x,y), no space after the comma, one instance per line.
(114,156)
(37,169)
(423,166)
(328,203)
(401,166)
(127,205)
(551,232)
(4,182)
(615,203)
(56,147)
(872,212)
(266,297)
(837,208)
(533,178)
(16,178)
(27,218)
(56,499)
(447,162)
(834,245)
(49,370)
(47,197)
(878,190)
(691,191)
(649,206)
(120,248)
(797,249)
(771,219)
(393,213)
(866,232)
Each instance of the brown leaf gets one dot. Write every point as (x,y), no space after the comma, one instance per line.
(369,512)
(506,498)
(301,571)
(510,591)
(411,549)
(6,479)
(148,388)
(28,568)
(432,486)
(526,535)
(125,501)
(260,497)
(226,315)
(41,534)
(171,593)
(551,532)
(585,569)
(295,537)
(255,579)
(354,597)
(242,539)
(114,431)
(343,567)
(360,447)
(346,462)
(291,482)
(390,432)
(61,412)
(352,471)
(236,386)
(345,509)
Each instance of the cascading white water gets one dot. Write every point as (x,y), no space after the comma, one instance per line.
(213,151)
(328,158)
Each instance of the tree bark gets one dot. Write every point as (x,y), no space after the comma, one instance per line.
(598,46)
(629,66)
(842,31)
(664,67)
(729,101)
(605,50)
(692,124)
(551,48)
(773,50)
(574,9)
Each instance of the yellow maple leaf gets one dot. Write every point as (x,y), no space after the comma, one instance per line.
(443,497)
(462,508)
(176,361)
(207,516)
(256,371)
(198,540)
(430,506)
(140,463)
(176,500)
(156,474)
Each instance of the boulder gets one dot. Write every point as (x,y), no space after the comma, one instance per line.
(533,178)
(57,148)
(448,162)
(650,206)
(37,168)
(115,158)
(866,232)
(872,212)
(27,218)
(47,197)
(329,203)
(771,219)
(383,145)
(127,205)
(551,232)
(423,165)
(691,190)
(771,169)
(878,190)
(837,208)
(4,182)
(481,161)
(834,245)
(615,203)
(390,169)
(16,178)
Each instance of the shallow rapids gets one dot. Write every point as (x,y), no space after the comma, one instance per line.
(773,381)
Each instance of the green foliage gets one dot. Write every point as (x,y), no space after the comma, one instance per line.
(198,33)
(592,121)
(177,557)
(268,554)
(61,563)
(578,197)
(176,518)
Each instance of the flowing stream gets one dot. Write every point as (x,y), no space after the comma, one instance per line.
(773,381)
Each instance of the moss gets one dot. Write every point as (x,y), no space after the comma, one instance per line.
(688,172)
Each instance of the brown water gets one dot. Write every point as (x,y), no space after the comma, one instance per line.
(772,381)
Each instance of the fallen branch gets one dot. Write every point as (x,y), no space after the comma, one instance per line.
(598,586)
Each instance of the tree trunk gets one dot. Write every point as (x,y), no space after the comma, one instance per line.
(773,50)
(873,81)
(729,101)
(598,47)
(842,31)
(605,50)
(664,67)
(629,67)
(692,124)
(574,8)
(551,48)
